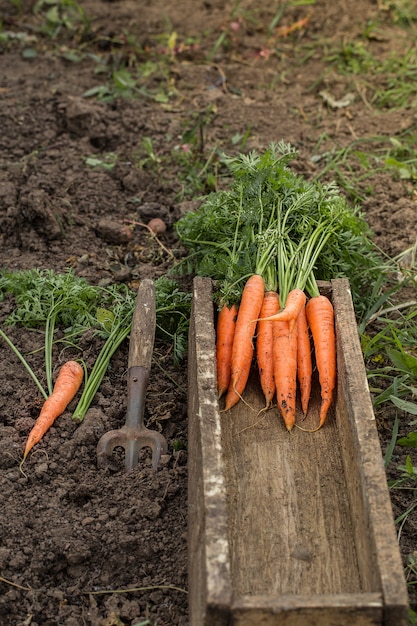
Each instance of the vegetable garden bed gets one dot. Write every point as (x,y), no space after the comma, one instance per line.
(111,117)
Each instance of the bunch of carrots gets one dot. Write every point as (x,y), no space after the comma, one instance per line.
(265,241)
(276,329)
(282,348)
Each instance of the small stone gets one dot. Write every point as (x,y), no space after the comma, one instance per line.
(157,226)
(113,232)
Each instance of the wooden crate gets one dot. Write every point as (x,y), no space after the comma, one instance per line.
(289,529)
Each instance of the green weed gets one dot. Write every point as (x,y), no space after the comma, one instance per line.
(198,165)
(390,352)
(60,15)
(9,38)
(355,165)
(391,359)
(399,86)
(397,73)
(149,80)
(403,12)
(152,160)
(351,58)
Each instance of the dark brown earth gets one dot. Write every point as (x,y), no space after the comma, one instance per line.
(69,531)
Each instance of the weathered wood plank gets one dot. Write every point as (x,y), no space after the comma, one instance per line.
(321,610)
(362,609)
(290,528)
(209,566)
(368,491)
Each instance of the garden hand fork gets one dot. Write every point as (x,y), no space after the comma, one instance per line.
(134,435)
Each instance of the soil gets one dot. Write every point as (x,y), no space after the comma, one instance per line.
(74,537)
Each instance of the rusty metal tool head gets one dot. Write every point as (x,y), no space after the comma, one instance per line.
(134,435)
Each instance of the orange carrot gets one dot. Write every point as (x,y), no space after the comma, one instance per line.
(285,370)
(295,301)
(264,353)
(226,323)
(242,352)
(320,317)
(304,362)
(66,386)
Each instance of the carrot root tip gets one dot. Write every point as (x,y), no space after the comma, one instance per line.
(307,430)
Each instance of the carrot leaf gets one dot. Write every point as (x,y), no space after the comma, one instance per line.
(264,196)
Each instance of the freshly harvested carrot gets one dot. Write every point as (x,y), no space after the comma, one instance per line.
(285,370)
(264,352)
(226,324)
(295,301)
(66,386)
(320,318)
(304,361)
(242,352)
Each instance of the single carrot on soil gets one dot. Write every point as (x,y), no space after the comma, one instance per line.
(304,361)
(285,370)
(264,352)
(320,317)
(242,352)
(66,386)
(226,324)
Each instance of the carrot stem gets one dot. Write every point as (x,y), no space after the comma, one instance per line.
(116,337)
(49,337)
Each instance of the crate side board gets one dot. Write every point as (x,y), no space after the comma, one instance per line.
(346,350)
(361,609)
(210,590)
(362,456)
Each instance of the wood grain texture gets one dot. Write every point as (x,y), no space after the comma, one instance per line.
(374,535)
(362,609)
(295,528)
(210,593)
(143,326)
(290,528)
